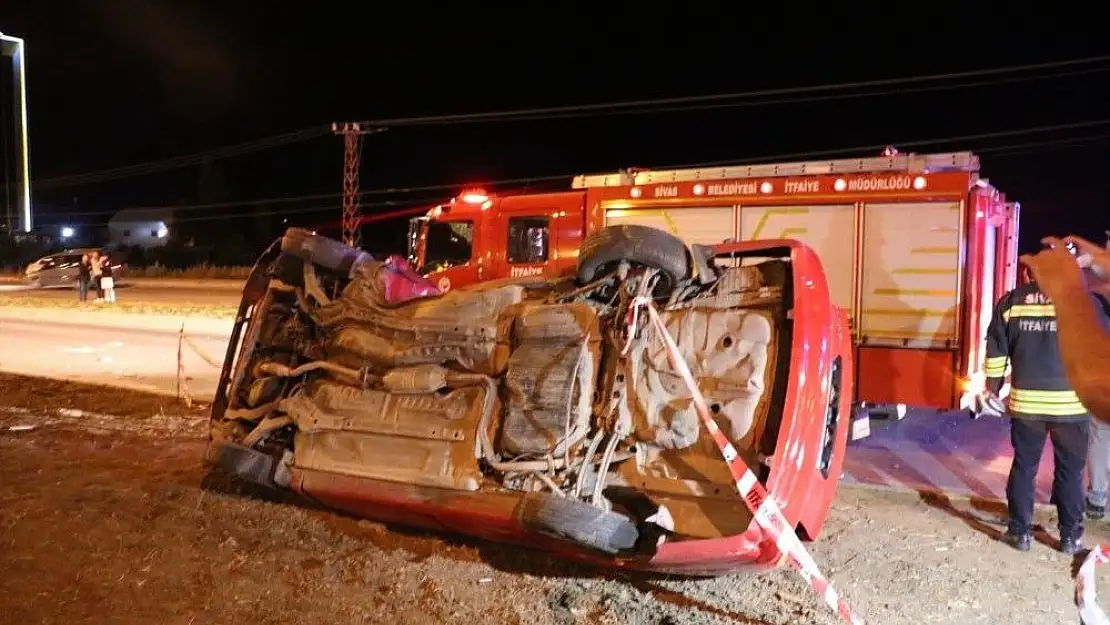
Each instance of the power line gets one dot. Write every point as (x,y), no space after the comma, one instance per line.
(177,162)
(590,109)
(524,180)
(422,202)
(913,144)
(635,107)
(833,97)
(1036,147)
(419,205)
(999,150)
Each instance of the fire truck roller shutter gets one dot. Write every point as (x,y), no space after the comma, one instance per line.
(911,258)
(828,229)
(705,225)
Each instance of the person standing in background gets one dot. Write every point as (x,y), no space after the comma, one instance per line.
(96,268)
(107,283)
(1098,467)
(84,278)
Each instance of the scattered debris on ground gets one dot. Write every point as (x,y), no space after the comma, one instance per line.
(105,517)
(44,396)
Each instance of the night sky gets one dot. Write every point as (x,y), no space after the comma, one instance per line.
(116,83)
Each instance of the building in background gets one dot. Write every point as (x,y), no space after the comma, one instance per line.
(140,227)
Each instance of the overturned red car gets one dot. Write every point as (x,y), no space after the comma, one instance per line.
(530,411)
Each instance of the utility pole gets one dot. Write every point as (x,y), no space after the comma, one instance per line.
(352,134)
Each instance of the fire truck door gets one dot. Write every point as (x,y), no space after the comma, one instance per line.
(909,303)
(911,259)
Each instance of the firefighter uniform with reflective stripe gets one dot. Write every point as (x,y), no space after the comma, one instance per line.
(1042,404)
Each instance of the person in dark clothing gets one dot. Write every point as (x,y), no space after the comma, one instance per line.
(84,277)
(1042,405)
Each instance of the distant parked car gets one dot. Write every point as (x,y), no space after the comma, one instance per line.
(61,269)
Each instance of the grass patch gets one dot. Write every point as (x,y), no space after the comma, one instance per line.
(137,308)
(196,272)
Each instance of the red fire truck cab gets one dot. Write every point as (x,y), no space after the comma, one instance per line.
(916,248)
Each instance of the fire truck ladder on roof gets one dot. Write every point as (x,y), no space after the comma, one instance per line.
(902,163)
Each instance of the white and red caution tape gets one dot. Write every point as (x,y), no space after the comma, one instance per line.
(766,512)
(182,378)
(1085,591)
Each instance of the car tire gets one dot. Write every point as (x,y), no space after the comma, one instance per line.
(578,522)
(603,250)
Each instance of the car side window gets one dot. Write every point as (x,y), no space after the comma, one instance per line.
(528,239)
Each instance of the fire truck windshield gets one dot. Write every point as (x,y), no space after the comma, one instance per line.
(436,245)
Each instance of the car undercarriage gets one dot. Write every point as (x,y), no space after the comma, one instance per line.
(530,406)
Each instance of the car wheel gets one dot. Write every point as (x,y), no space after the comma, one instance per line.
(603,250)
(578,522)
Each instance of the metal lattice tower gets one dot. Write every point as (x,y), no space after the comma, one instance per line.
(352,160)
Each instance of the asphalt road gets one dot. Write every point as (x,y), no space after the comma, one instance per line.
(165,292)
(142,359)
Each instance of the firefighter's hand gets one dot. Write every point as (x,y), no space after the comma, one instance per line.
(1054,268)
(1099,256)
(987,404)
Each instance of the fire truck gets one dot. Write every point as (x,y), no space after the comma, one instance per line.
(916,248)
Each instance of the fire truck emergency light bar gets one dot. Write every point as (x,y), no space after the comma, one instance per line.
(904,163)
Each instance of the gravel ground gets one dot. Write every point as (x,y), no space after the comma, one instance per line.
(111,519)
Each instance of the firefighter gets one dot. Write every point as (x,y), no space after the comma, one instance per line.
(1084,339)
(1042,404)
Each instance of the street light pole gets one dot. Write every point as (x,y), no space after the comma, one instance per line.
(13,47)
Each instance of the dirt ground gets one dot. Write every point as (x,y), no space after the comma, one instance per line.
(106,516)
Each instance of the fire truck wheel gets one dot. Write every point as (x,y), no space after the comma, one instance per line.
(638,245)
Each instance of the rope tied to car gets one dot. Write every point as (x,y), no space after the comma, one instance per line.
(766,512)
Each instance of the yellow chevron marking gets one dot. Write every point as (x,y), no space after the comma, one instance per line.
(901,312)
(926,292)
(925,271)
(775,211)
(670,223)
